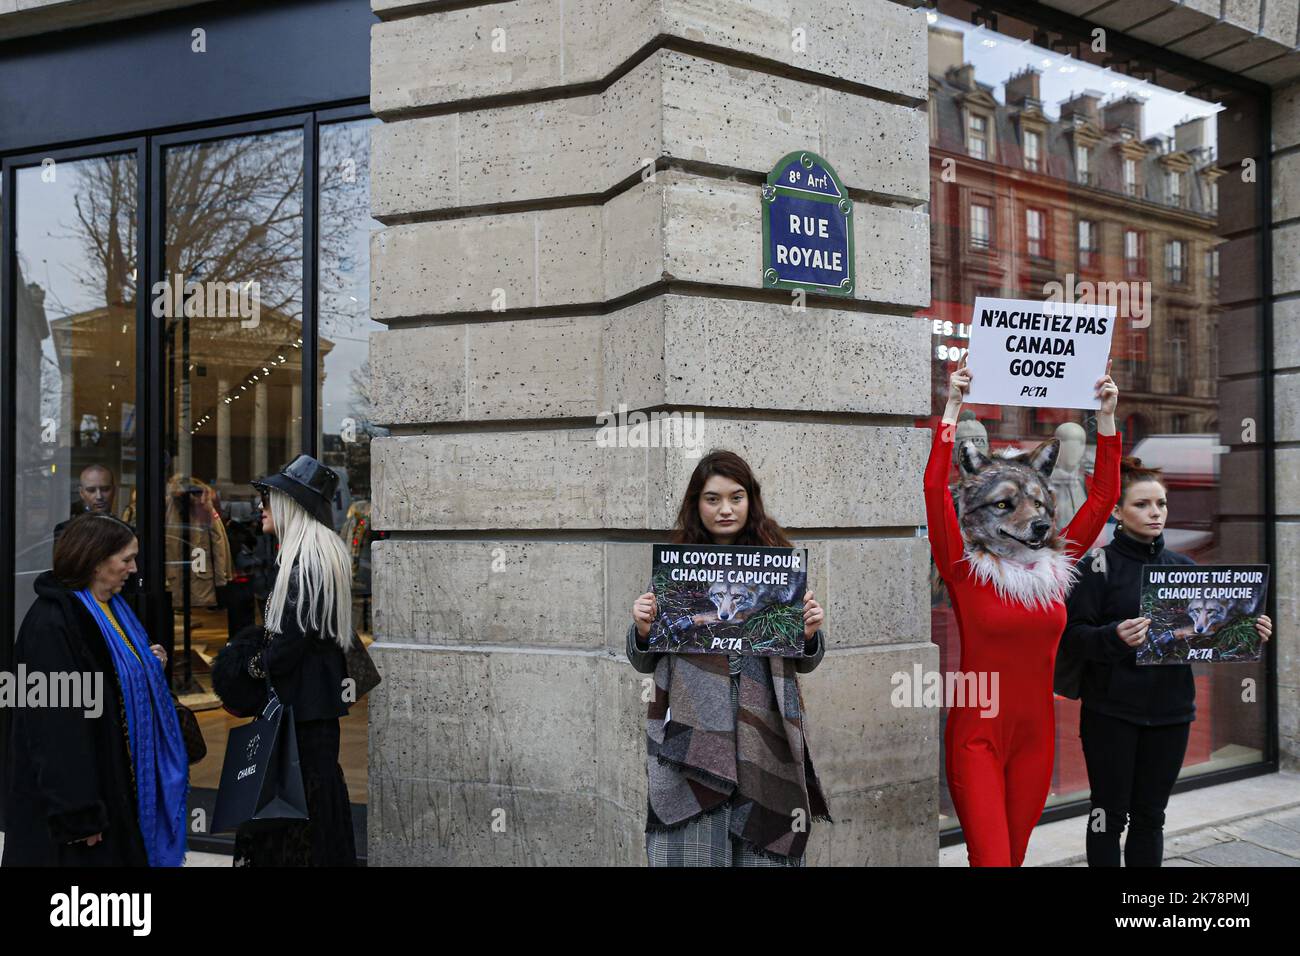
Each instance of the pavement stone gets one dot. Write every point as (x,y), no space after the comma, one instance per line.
(1241,853)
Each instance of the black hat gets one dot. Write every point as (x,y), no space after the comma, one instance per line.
(307,482)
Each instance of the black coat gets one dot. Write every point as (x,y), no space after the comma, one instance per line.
(1112,682)
(306,670)
(69,775)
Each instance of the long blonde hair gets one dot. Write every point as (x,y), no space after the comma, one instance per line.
(324,572)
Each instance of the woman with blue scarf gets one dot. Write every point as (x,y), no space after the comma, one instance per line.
(98,773)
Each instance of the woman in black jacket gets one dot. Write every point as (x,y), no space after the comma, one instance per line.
(1134,721)
(308,621)
(97,770)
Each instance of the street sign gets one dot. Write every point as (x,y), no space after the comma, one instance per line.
(807,227)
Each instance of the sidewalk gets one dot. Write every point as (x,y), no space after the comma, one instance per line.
(1253,822)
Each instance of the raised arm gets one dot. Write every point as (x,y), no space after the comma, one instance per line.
(940,515)
(1103,495)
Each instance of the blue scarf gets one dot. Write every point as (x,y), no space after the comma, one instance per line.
(162,778)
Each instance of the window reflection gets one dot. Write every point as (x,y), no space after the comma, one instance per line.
(347,426)
(75,417)
(230,310)
(1091,174)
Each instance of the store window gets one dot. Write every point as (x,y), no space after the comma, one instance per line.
(233,337)
(346,418)
(75,417)
(1112,128)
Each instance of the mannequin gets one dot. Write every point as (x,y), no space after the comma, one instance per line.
(1067,479)
(969,428)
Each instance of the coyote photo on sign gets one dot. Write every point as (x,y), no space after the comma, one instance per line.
(716,599)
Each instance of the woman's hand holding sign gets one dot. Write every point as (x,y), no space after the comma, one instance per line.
(1264,627)
(958,386)
(643,613)
(813,615)
(1108,392)
(1133,632)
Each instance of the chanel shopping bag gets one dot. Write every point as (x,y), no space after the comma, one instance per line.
(261,778)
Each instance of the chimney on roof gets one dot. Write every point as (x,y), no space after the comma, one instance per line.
(1189,135)
(945,50)
(1125,113)
(1023,86)
(1083,105)
(962,77)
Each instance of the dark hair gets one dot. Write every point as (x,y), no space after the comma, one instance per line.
(86,542)
(759,529)
(1131,471)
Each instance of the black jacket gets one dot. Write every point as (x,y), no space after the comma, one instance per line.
(306,670)
(69,775)
(1113,683)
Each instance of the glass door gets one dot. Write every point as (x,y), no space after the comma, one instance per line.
(155,386)
(229,311)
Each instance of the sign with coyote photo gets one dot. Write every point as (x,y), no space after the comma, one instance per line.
(1202,613)
(723,599)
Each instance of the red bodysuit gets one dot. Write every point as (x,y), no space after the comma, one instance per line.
(1000,767)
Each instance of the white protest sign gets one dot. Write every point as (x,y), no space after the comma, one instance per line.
(1039,354)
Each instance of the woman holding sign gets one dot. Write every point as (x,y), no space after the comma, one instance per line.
(736,785)
(1007,570)
(1134,722)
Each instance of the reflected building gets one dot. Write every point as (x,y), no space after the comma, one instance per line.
(1021,199)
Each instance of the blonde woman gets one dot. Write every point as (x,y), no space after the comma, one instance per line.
(308,621)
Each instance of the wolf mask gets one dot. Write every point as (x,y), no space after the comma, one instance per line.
(1007,513)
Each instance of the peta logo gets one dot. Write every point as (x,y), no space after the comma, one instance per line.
(77,909)
(725,644)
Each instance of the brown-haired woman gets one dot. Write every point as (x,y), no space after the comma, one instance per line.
(101,780)
(730,778)
(1134,721)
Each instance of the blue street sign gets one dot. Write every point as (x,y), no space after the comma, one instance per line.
(807,228)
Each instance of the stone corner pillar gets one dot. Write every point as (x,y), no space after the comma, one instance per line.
(572,210)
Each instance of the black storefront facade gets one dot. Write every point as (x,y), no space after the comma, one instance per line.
(227,144)
(196,139)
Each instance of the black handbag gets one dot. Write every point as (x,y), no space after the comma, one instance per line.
(361,668)
(196,748)
(261,778)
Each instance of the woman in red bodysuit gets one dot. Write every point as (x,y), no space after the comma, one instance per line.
(1010,620)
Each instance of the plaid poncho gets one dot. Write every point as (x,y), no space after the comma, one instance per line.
(701,753)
